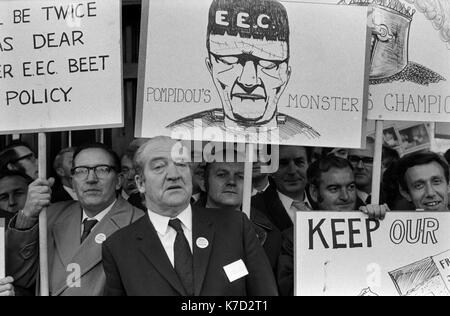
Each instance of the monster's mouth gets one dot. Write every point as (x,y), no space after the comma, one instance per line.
(244,96)
(253,93)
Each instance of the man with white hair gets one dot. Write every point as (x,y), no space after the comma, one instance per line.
(179,249)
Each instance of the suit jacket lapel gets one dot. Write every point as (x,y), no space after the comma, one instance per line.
(67,234)
(152,249)
(278,214)
(201,228)
(89,254)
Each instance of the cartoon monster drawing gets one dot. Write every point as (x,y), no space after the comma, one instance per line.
(248,60)
(392,23)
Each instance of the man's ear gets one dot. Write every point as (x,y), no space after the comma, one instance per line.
(201,184)
(140,183)
(120,181)
(313,191)
(405,194)
(60,172)
(12,167)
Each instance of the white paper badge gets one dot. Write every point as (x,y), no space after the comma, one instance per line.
(100,238)
(202,243)
(236,270)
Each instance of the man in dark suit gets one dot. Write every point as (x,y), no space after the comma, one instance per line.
(333,188)
(424,181)
(286,192)
(63,190)
(178,249)
(76,230)
(6,216)
(362,161)
(13,190)
(129,190)
(18,156)
(224,186)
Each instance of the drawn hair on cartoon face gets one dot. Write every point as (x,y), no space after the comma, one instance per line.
(248,57)
(258,19)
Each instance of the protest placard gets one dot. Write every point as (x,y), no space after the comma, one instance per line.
(60,65)
(442,130)
(406,137)
(410,53)
(406,254)
(219,69)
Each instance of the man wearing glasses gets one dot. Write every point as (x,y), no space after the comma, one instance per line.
(76,229)
(19,157)
(248,59)
(362,161)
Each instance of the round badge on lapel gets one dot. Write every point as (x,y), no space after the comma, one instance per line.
(202,243)
(100,239)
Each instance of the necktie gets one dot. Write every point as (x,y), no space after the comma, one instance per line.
(183,258)
(88,225)
(300,206)
(369,200)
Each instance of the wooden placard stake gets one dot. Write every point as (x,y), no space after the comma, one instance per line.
(248,172)
(43,256)
(377,164)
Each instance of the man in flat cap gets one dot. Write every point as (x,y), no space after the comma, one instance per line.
(248,59)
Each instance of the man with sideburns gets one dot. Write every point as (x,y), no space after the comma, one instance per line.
(332,188)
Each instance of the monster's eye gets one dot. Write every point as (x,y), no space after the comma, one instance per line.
(228,60)
(269,65)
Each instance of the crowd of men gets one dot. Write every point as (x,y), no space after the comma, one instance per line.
(155,223)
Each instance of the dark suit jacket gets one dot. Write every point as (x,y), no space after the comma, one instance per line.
(268,235)
(270,204)
(136,200)
(285,274)
(7,216)
(64,249)
(136,263)
(59,194)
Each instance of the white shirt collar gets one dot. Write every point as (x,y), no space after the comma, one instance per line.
(71,192)
(100,215)
(196,196)
(125,195)
(254,191)
(161,223)
(362,195)
(287,201)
